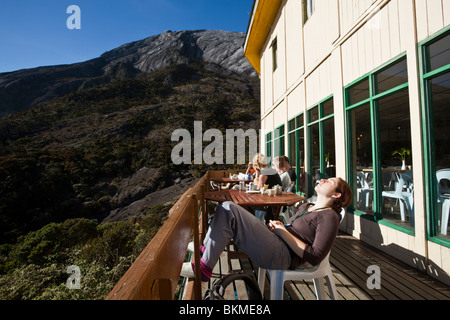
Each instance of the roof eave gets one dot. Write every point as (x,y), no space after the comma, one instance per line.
(263,15)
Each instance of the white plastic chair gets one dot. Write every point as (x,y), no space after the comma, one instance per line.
(317,274)
(441,175)
(403,192)
(287,212)
(364,190)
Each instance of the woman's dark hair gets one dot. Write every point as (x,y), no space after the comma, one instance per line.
(346,195)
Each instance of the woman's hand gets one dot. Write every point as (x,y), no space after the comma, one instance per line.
(276,226)
(293,242)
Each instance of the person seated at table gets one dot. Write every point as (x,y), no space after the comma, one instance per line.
(307,238)
(250,170)
(279,165)
(291,172)
(264,175)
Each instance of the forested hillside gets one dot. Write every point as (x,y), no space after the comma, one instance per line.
(63,165)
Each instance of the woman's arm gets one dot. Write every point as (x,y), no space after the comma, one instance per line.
(248,169)
(262,180)
(324,237)
(293,242)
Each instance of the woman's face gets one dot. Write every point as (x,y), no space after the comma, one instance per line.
(327,187)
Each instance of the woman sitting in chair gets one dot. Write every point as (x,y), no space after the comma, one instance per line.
(263,174)
(308,237)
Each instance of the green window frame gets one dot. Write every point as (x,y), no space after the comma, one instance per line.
(296,152)
(275,142)
(317,116)
(279,143)
(430,73)
(269,145)
(370,99)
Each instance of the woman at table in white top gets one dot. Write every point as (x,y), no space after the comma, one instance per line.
(264,175)
(307,238)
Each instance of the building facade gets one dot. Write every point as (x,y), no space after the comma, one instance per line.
(360,89)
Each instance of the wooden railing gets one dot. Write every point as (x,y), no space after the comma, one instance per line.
(156,272)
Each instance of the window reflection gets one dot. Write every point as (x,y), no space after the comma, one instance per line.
(315,153)
(392,77)
(321,142)
(381,138)
(297,151)
(359,92)
(313,114)
(328,108)
(440,106)
(329,142)
(301,183)
(439,54)
(441,112)
(362,158)
(396,159)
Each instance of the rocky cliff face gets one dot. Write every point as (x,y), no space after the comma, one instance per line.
(23,89)
(154,53)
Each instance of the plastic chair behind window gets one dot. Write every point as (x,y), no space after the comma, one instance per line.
(403,192)
(443,197)
(364,191)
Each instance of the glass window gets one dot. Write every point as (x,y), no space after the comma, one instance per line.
(292,125)
(278,142)
(315,153)
(395,129)
(300,163)
(330,149)
(297,151)
(441,119)
(362,158)
(396,160)
(440,87)
(292,148)
(380,134)
(392,77)
(321,142)
(328,108)
(313,114)
(436,111)
(299,121)
(439,54)
(359,92)
(269,145)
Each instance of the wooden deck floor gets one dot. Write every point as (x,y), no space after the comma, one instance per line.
(350,259)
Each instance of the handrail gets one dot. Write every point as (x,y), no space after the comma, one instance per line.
(155,273)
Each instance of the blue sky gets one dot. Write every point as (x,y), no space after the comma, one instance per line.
(34,32)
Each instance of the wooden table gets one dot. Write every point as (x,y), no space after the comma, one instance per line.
(228,180)
(245,199)
(222,180)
